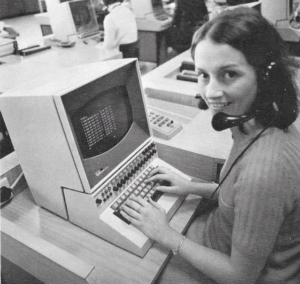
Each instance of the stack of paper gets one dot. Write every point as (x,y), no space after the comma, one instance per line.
(7,46)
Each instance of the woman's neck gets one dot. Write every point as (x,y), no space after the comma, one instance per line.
(249,128)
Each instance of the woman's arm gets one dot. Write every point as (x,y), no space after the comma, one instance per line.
(236,268)
(179,185)
(150,218)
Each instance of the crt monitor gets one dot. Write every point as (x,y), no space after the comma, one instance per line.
(72,18)
(81,127)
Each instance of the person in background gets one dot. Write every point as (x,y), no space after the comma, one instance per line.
(187,16)
(253,235)
(120,29)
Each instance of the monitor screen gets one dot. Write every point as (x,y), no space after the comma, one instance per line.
(80,13)
(103,121)
(83,15)
(156,3)
(294,4)
(107,119)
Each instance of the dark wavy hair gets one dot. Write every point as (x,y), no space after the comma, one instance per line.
(246,30)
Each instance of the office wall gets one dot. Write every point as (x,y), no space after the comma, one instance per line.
(14,8)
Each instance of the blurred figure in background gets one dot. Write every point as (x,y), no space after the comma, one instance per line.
(120,29)
(188,15)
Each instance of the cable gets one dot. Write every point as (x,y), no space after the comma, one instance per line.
(242,153)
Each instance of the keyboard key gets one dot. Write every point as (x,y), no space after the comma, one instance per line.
(138,188)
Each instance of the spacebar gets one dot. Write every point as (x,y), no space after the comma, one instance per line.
(156,195)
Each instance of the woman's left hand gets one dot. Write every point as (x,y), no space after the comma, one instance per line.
(149,217)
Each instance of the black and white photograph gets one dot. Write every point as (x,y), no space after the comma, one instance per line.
(150,141)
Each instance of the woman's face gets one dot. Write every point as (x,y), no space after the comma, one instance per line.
(226,81)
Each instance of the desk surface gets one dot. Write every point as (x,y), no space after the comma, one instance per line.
(46,238)
(161,83)
(18,70)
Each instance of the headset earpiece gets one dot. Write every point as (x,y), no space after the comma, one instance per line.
(222,121)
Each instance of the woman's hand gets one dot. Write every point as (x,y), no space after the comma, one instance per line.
(148,217)
(175,183)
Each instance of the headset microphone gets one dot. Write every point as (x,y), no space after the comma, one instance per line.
(223,121)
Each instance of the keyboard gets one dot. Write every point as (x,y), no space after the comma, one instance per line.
(88,33)
(138,188)
(129,180)
(99,212)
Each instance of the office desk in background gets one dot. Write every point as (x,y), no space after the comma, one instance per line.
(153,47)
(161,83)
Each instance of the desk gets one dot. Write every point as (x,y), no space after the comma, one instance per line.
(55,251)
(153,47)
(18,70)
(161,83)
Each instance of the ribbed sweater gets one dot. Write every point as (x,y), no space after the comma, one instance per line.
(259,204)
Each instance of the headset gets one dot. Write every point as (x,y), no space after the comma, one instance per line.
(222,121)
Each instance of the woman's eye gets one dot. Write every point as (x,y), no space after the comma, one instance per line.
(230,75)
(202,76)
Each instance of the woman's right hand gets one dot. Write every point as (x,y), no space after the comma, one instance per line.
(170,181)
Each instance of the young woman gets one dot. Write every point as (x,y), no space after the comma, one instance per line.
(253,236)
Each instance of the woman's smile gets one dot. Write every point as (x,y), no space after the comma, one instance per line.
(218,106)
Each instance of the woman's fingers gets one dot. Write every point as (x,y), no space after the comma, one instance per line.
(156,177)
(158,170)
(164,188)
(134,220)
(133,199)
(156,205)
